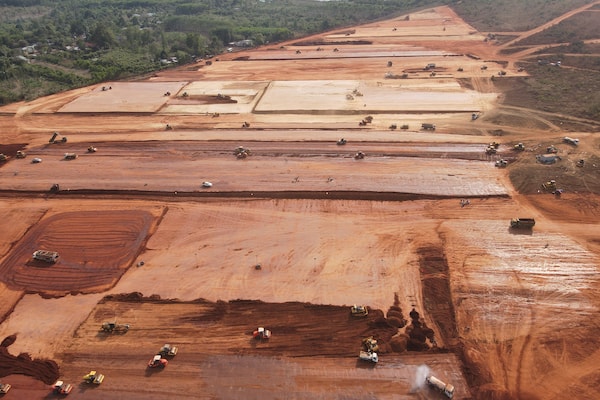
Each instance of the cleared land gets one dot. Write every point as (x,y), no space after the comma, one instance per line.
(298,231)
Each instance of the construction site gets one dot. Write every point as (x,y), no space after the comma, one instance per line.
(351,215)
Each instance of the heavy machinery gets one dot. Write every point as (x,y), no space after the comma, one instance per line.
(206,184)
(501,163)
(549,186)
(490,150)
(92,149)
(368,356)
(342,141)
(4,388)
(445,388)
(46,256)
(21,154)
(55,188)
(522,223)
(241,152)
(113,327)
(428,127)
(370,345)
(551,149)
(568,140)
(61,387)
(54,139)
(93,377)
(70,156)
(474,116)
(3,157)
(359,311)
(359,156)
(519,147)
(168,350)
(158,362)
(580,163)
(261,334)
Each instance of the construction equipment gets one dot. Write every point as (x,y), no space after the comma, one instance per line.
(61,387)
(551,149)
(491,150)
(474,116)
(36,160)
(522,223)
(158,362)
(359,311)
(241,152)
(580,163)
(342,141)
(370,345)
(70,156)
(550,185)
(428,127)
(359,156)
(46,256)
(574,142)
(112,327)
(519,147)
(261,334)
(3,157)
(21,154)
(93,377)
(4,388)
(55,188)
(168,351)
(445,388)
(368,356)
(54,139)
(501,163)
(92,149)
(494,145)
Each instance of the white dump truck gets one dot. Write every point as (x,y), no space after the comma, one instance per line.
(368,356)
(446,388)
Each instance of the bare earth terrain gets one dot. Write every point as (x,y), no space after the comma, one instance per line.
(298,229)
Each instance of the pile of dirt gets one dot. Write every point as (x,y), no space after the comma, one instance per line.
(43,370)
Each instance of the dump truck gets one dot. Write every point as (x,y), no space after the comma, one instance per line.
(113,327)
(92,149)
(501,163)
(21,154)
(70,156)
(368,356)
(4,388)
(359,311)
(93,377)
(46,256)
(359,155)
(519,147)
(61,387)
(572,141)
(261,334)
(158,362)
(168,350)
(522,223)
(342,141)
(3,157)
(445,388)
(550,185)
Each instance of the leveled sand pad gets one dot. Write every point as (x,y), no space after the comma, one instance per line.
(138,97)
(387,96)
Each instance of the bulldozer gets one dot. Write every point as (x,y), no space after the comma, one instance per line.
(241,152)
(519,147)
(158,362)
(112,327)
(168,350)
(359,311)
(261,334)
(549,186)
(93,377)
